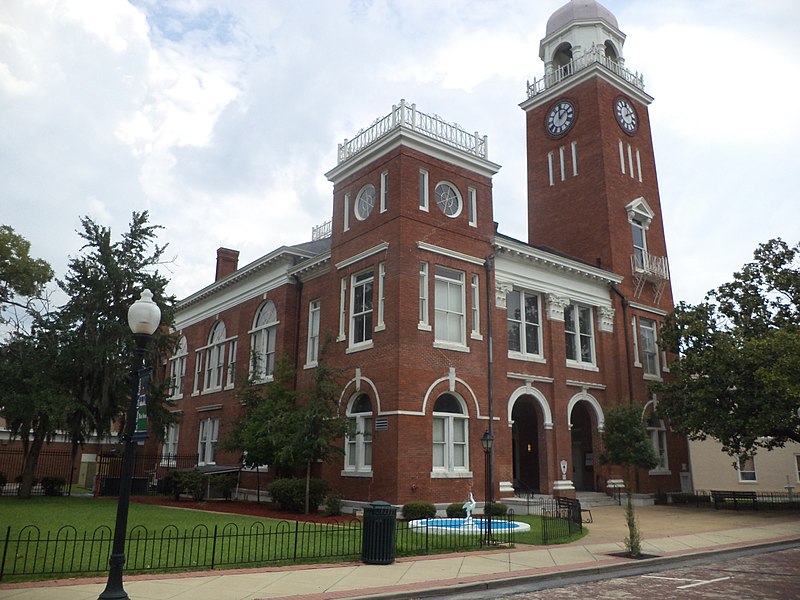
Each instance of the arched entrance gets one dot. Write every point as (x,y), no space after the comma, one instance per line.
(529,448)
(583,459)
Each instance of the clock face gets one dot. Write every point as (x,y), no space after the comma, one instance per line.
(365,202)
(626,115)
(560,118)
(448,200)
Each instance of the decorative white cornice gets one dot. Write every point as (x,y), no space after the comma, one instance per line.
(309,269)
(555,306)
(529,377)
(501,290)
(648,309)
(362,255)
(606,319)
(585,385)
(451,253)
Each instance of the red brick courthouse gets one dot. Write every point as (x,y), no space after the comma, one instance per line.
(440,320)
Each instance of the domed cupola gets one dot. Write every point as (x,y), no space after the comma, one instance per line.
(580,28)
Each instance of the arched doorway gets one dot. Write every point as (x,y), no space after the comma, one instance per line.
(583,459)
(528,444)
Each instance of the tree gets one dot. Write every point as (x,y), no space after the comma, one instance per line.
(102,282)
(737,373)
(286,428)
(21,277)
(627,444)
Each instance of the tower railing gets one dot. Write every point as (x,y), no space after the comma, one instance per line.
(647,267)
(594,55)
(433,126)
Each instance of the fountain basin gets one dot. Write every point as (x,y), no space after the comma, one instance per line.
(456,525)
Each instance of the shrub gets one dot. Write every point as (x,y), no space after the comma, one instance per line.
(170,485)
(495,509)
(290,493)
(194,483)
(418,510)
(333,505)
(53,486)
(224,484)
(456,510)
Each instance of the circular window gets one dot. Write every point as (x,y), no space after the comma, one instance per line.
(448,199)
(365,202)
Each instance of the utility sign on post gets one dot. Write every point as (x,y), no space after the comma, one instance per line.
(140,433)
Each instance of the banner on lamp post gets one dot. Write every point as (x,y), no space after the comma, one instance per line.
(140,432)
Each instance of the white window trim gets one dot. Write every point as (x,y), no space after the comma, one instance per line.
(472,198)
(230,368)
(550,168)
(169,448)
(577,363)
(574,147)
(312,338)
(381,300)
(177,370)
(342,310)
(424,191)
(270,331)
(424,297)
(739,471)
(562,163)
(461,343)
(475,289)
(359,469)
(460,199)
(210,441)
(384,191)
(526,355)
(656,358)
(449,470)
(635,337)
(347,211)
(656,434)
(352,345)
(621,157)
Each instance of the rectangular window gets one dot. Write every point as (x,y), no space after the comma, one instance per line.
(450,450)
(649,347)
(312,350)
(423,295)
(472,199)
(579,334)
(215,365)
(423,189)
(342,308)
(170,447)
(381,298)
(524,323)
(747,468)
(797,466)
(550,168)
(346,212)
(639,243)
(658,439)
(361,297)
(198,370)
(207,442)
(358,451)
(621,157)
(476,308)
(562,163)
(384,191)
(231,363)
(574,159)
(635,336)
(449,306)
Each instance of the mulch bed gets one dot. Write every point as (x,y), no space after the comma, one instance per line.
(262,510)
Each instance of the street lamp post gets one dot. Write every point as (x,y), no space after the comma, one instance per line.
(144,317)
(487,441)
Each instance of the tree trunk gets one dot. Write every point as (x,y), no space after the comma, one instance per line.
(29,463)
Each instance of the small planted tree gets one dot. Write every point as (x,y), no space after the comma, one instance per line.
(627,444)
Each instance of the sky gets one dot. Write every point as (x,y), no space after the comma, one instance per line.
(221,118)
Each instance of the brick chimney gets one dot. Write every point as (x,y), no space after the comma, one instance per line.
(227,262)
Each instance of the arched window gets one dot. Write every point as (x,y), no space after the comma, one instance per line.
(358,446)
(450,435)
(658,437)
(262,342)
(177,369)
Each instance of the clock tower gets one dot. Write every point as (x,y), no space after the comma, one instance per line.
(592,187)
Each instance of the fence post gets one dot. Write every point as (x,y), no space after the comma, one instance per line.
(296,534)
(214,548)
(5,550)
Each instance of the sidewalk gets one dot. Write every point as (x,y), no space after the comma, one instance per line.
(666,531)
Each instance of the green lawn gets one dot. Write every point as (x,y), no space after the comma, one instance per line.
(68,536)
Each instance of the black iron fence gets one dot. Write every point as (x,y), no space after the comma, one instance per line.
(149,470)
(561,518)
(67,552)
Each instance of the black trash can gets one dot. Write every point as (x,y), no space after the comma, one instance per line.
(377,542)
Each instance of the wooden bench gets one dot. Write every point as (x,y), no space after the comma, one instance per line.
(720,497)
